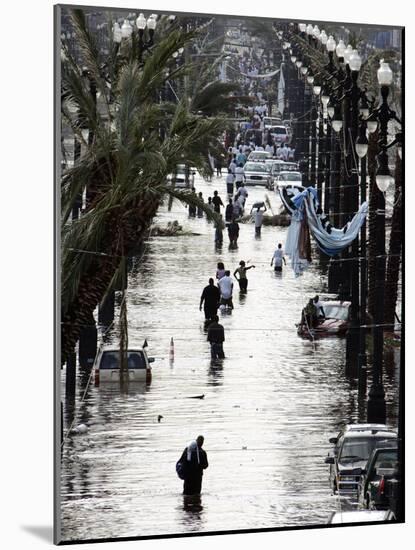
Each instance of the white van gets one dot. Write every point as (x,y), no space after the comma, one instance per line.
(107,365)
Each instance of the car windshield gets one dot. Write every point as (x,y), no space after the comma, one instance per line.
(293,176)
(278,130)
(289,167)
(355,449)
(336,312)
(111,360)
(260,167)
(386,460)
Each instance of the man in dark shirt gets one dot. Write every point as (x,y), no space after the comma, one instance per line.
(229,211)
(211,298)
(216,337)
(217,202)
(194,459)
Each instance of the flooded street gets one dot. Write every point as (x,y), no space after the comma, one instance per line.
(266,415)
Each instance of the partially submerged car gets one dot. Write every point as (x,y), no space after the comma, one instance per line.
(352,449)
(380,469)
(183,178)
(335,322)
(107,365)
(258,173)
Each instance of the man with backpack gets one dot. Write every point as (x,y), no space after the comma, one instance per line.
(190,466)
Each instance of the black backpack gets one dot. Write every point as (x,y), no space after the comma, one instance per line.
(180,470)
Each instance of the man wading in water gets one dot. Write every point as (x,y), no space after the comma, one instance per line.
(194,460)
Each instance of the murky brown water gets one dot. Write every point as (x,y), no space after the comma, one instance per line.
(267,413)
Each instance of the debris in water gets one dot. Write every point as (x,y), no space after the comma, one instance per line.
(160,416)
(244,448)
(81,429)
(197,396)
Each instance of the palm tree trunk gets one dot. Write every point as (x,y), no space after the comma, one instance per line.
(395,248)
(371,249)
(95,282)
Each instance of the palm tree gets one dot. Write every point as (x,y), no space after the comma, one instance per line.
(125,165)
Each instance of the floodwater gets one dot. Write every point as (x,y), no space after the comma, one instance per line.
(267,412)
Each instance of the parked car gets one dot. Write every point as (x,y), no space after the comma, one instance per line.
(257,156)
(183,178)
(335,323)
(288,178)
(360,516)
(107,365)
(381,467)
(352,449)
(271,122)
(289,166)
(279,133)
(258,173)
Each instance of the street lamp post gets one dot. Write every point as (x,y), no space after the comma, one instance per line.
(352,343)
(361,151)
(376,407)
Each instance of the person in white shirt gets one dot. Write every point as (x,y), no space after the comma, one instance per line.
(269,148)
(226,288)
(279,153)
(242,193)
(284,152)
(319,307)
(259,148)
(278,258)
(258,218)
(232,165)
(230,178)
(239,175)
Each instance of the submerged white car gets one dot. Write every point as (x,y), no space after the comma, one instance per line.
(107,365)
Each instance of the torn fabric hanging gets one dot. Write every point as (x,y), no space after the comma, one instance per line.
(303,207)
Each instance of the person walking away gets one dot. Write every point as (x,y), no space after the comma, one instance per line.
(284,152)
(226,288)
(217,202)
(240,157)
(230,178)
(194,461)
(216,337)
(192,207)
(232,164)
(319,307)
(237,208)
(278,258)
(242,191)
(291,154)
(229,211)
(258,219)
(240,276)
(220,271)
(199,209)
(239,175)
(210,203)
(210,298)
(219,232)
(233,233)
(218,164)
